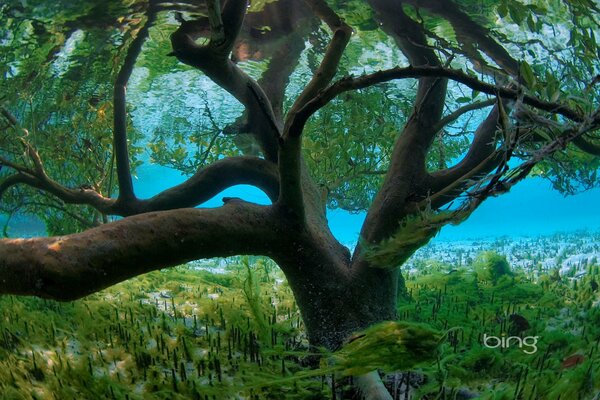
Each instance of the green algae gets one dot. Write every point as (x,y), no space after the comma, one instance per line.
(388,346)
(186,333)
(414,232)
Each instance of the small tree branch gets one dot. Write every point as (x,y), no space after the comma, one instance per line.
(290,149)
(70,196)
(283,57)
(232,18)
(15,166)
(281,66)
(371,387)
(469,32)
(217,30)
(216,177)
(10,181)
(478,158)
(329,65)
(202,186)
(9,117)
(57,205)
(126,193)
(410,37)
(69,267)
(498,186)
(364,81)
(448,119)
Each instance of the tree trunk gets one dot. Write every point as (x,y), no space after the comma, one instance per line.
(333,303)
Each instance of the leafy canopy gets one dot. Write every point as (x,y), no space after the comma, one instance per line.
(59,60)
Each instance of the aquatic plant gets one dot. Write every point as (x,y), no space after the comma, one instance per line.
(491,266)
(157,336)
(414,232)
(388,346)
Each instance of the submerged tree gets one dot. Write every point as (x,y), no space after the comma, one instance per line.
(415,111)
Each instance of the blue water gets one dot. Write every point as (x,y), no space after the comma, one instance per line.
(532,208)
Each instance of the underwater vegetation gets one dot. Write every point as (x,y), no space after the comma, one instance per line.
(235,332)
(176,334)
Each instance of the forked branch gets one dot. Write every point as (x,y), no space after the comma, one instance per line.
(213,59)
(202,186)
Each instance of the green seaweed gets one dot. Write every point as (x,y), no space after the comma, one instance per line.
(389,346)
(414,232)
(187,333)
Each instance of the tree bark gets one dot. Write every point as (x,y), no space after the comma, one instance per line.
(333,303)
(69,267)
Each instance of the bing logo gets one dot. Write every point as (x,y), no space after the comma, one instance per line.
(527,343)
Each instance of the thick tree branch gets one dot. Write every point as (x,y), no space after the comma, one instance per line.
(69,267)
(407,166)
(213,60)
(364,81)
(126,192)
(210,181)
